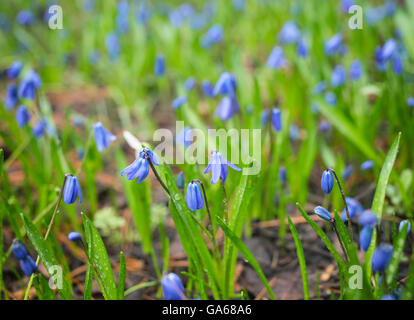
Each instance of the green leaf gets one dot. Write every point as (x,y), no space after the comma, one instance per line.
(409,286)
(399,243)
(301,257)
(45,253)
(87,295)
(99,257)
(247,255)
(122,276)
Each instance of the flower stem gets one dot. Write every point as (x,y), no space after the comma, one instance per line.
(49,228)
(225,201)
(157,175)
(333,222)
(346,206)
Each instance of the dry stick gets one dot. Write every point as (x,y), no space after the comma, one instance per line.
(346,206)
(49,228)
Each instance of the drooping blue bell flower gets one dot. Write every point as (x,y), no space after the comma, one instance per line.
(159,67)
(72,190)
(330,98)
(207,88)
(365,237)
(122,18)
(323,213)
(282,174)
(194,198)
(289,33)
(22,116)
(320,87)
(354,208)
(19,250)
(355,70)
(14,69)
(327,181)
(139,169)
(403,223)
(172,287)
(184,137)
(12,96)
(102,136)
(302,49)
(397,65)
(28,265)
(367,165)
(368,218)
(218,167)
(338,76)
(324,126)
(112,45)
(333,45)
(276,59)
(347,172)
(74,236)
(225,85)
(388,50)
(213,35)
(180,180)
(189,83)
(410,102)
(30,83)
(227,108)
(179,101)
(25,18)
(381,257)
(277,119)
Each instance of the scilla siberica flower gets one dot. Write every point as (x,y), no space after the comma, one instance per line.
(179,101)
(27,263)
(381,257)
(29,85)
(410,102)
(14,70)
(289,33)
(323,213)
(102,136)
(276,59)
(12,96)
(207,88)
(403,223)
(189,83)
(333,45)
(140,167)
(72,190)
(302,48)
(347,172)
(330,98)
(365,237)
(218,167)
(25,18)
(226,85)
(277,119)
(22,116)
(367,165)
(338,76)
(19,250)
(74,236)
(184,137)
(172,287)
(354,208)
(112,45)
(180,180)
(122,19)
(194,198)
(214,35)
(159,67)
(327,181)
(355,70)
(227,107)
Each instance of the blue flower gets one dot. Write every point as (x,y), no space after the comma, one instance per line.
(14,70)
(184,137)
(140,167)
(338,76)
(12,96)
(180,180)
(159,67)
(19,250)
(330,98)
(365,237)
(172,287)
(346,4)
(208,89)
(282,174)
(22,116)
(25,18)
(29,85)
(397,65)
(218,167)
(302,48)
(189,83)
(388,297)
(324,126)
(40,127)
(227,107)
(264,117)
(226,85)
(367,165)
(102,136)
(355,70)
(72,190)
(179,101)
(277,119)
(333,45)
(276,59)
(122,19)
(28,265)
(194,198)
(213,35)
(290,33)
(354,208)
(368,218)
(112,45)
(74,236)
(403,223)
(294,132)
(347,172)
(381,257)
(142,13)
(327,181)
(323,213)
(320,87)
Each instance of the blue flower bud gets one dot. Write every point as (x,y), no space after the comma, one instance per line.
(282,174)
(74,236)
(381,257)
(320,87)
(289,33)
(159,67)
(277,119)
(323,213)
(28,265)
(338,76)
(365,237)
(25,18)
(227,108)
(397,65)
(172,287)
(207,88)
(410,102)
(333,45)
(403,223)
(302,48)
(324,126)
(327,181)
(184,137)
(194,198)
(29,85)
(214,35)
(112,45)
(102,136)
(226,85)
(347,172)
(14,70)
(72,190)
(178,102)
(368,218)
(189,83)
(19,250)
(181,180)
(330,98)
(367,165)
(12,96)
(355,70)
(354,208)
(22,116)
(276,59)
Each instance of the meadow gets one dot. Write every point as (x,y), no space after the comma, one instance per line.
(223,150)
